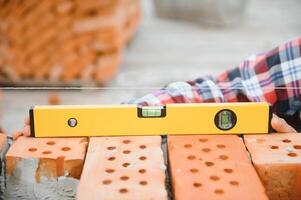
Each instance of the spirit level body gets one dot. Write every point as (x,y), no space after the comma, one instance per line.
(172,119)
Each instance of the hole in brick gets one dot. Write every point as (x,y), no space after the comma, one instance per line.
(126,141)
(65,149)
(220,146)
(92,12)
(234,183)
(228,170)
(142,158)
(111,148)
(292,154)
(125,164)
(126,151)
(297,146)
(187,145)
(191,157)
(223,157)
(194,170)
(142,171)
(197,184)
(274,147)
(111,158)
(203,140)
(123,190)
(124,178)
(209,164)
(286,141)
(142,146)
(219,191)
(106,182)
(206,150)
(50,143)
(214,178)
(32,149)
(143,182)
(110,171)
(46,152)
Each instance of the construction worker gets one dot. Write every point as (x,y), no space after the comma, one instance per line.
(273,76)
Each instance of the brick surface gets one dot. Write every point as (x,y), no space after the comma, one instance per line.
(212,167)
(277,159)
(3,141)
(38,168)
(123,168)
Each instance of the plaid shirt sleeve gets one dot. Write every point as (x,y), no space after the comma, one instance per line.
(273,76)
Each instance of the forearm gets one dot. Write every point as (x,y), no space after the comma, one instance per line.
(272,76)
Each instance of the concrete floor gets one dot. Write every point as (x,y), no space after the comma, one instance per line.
(164,51)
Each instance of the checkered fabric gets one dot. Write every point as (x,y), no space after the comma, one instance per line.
(273,76)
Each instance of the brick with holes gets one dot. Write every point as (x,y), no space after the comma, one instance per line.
(212,167)
(127,168)
(50,168)
(277,159)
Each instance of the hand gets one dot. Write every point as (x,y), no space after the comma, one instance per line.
(25,131)
(278,124)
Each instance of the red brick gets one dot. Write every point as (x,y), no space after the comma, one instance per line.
(44,166)
(212,167)
(3,141)
(123,168)
(54,98)
(131,25)
(104,23)
(107,67)
(277,159)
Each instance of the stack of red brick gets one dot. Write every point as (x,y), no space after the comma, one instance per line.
(211,167)
(64,41)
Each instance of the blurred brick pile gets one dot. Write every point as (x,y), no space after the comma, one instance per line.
(62,42)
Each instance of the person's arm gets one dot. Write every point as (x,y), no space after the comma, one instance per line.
(273,76)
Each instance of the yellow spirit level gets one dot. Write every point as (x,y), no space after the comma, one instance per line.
(113,120)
